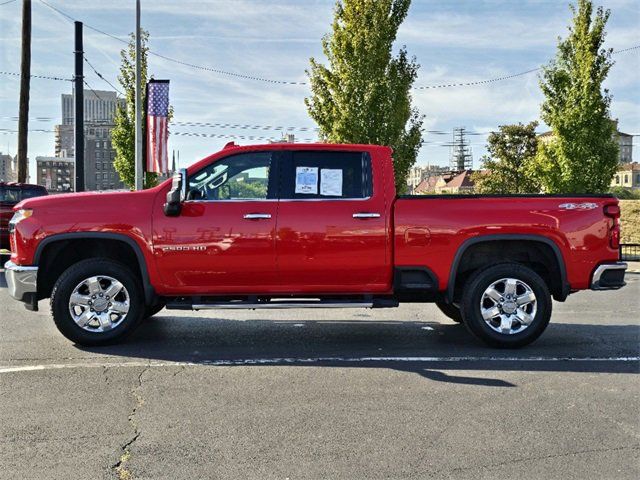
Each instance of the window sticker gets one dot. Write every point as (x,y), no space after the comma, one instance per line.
(331,182)
(307,180)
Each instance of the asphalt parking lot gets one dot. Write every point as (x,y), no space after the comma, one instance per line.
(301,394)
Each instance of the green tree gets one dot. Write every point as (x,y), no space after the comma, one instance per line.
(508,166)
(582,155)
(363,95)
(123,135)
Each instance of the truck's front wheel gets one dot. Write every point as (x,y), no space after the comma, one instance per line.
(506,305)
(97,302)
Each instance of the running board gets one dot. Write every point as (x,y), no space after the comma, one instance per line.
(279,305)
(187,304)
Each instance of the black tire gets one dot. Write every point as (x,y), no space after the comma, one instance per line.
(74,275)
(450,311)
(150,311)
(473,293)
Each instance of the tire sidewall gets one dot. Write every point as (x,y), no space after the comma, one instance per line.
(476,287)
(81,271)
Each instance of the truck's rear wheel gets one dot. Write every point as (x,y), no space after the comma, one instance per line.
(450,311)
(97,302)
(506,305)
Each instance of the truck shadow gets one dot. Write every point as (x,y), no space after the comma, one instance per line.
(424,348)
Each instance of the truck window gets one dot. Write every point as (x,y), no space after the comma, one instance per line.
(239,177)
(9,195)
(327,175)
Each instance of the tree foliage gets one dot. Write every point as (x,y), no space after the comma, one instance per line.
(509,165)
(123,135)
(582,155)
(363,95)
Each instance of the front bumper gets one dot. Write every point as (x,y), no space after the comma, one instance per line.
(609,276)
(22,282)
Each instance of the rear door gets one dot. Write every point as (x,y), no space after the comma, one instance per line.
(331,235)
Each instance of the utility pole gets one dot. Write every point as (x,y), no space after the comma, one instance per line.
(138,104)
(78,87)
(25,84)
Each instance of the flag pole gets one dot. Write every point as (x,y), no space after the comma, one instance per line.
(138,105)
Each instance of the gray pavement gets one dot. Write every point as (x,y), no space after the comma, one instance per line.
(349,394)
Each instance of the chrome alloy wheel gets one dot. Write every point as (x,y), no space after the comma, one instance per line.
(508,306)
(99,304)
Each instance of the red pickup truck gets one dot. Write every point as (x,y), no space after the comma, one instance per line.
(315,225)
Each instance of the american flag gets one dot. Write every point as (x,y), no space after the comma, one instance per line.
(157,126)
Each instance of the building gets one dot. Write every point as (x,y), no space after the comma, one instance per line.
(99,116)
(64,140)
(7,171)
(418,174)
(9,168)
(627,176)
(286,138)
(458,183)
(625,144)
(99,106)
(56,174)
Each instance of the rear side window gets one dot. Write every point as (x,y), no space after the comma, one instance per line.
(326,175)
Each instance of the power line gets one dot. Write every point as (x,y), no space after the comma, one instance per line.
(241,126)
(15,74)
(289,82)
(91,88)
(6,3)
(101,76)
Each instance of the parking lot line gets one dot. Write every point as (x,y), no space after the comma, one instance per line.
(299,361)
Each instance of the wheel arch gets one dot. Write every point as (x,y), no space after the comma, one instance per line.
(559,284)
(59,242)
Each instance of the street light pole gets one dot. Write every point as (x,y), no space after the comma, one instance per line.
(138,104)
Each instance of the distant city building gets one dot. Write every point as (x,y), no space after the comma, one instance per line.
(99,114)
(9,168)
(627,176)
(446,183)
(7,173)
(419,174)
(64,140)
(286,138)
(625,143)
(99,106)
(459,183)
(56,174)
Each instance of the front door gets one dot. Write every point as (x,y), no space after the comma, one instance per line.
(223,241)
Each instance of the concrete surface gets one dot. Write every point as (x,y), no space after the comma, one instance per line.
(315,394)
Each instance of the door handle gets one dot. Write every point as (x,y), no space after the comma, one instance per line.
(256,216)
(366,215)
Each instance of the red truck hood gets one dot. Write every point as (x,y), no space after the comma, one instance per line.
(85,200)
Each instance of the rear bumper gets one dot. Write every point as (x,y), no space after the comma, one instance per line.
(609,276)
(22,282)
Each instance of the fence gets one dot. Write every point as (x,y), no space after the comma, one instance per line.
(630,251)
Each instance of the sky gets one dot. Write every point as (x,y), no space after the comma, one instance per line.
(453,41)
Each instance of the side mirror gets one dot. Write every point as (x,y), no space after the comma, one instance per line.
(177,194)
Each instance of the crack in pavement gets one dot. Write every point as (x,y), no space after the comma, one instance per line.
(545,457)
(120,467)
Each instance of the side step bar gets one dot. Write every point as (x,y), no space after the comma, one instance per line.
(251,304)
(279,305)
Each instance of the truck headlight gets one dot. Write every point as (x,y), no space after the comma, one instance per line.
(18,216)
